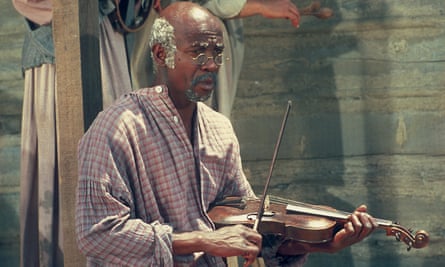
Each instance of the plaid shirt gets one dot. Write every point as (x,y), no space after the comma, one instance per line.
(142,179)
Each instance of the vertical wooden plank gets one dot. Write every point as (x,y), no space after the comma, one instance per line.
(76,43)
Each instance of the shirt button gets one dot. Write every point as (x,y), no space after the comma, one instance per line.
(175,119)
(158,89)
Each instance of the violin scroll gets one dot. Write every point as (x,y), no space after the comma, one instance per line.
(419,240)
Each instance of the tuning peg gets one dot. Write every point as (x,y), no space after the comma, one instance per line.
(397,235)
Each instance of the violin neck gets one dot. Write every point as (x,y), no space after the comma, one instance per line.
(339,216)
(419,240)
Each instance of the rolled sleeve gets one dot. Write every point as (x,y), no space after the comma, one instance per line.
(38,11)
(225,8)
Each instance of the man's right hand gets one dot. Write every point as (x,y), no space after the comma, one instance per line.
(237,240)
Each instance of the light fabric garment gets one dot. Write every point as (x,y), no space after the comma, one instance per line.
(142,178)
(223,98)
(115,74)
(40,231)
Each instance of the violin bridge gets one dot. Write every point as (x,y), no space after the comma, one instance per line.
(266,202)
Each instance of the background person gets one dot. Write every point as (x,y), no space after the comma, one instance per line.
(40,229)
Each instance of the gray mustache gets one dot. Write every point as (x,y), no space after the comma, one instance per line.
(204,77)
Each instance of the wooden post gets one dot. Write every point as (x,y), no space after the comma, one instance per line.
(78,99)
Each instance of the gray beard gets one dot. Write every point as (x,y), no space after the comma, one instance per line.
(191,94)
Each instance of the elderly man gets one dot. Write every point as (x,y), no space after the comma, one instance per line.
(153,163)
(231,13)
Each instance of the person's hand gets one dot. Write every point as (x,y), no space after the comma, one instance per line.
(281,9)
(272,9)
(360,224)
(235,240)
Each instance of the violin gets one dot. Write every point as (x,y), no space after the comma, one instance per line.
(301,222)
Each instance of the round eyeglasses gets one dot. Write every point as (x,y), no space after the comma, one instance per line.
(202,59)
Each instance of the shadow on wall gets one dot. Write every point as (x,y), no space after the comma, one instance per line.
(319,61)
(10,118)
(9,223)
(378,11)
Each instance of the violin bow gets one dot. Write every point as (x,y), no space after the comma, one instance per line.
(272,164)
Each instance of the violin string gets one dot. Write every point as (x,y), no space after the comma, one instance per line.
(321,211)
(318,209)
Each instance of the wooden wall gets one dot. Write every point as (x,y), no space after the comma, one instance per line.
(367,123)
(11,95)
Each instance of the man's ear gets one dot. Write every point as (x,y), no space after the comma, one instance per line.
(159,54)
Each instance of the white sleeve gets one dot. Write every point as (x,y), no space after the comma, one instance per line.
(225,8)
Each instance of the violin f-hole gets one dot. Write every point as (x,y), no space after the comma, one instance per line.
(253,215)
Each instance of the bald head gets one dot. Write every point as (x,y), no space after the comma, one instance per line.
(188,18)
(181,22)
(188,15)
